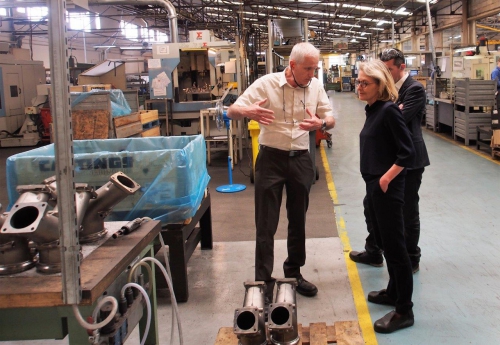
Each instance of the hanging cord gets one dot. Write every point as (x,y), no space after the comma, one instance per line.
(94,326)
(148,305)
(134,268)
(175,308)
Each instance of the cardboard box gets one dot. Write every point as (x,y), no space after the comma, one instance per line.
(21,53)
(495,138)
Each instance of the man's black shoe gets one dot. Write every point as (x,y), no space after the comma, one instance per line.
(393,322)
(381,297)
(305,288)
(367,259)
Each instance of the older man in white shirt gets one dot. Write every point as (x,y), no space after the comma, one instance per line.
(287,105)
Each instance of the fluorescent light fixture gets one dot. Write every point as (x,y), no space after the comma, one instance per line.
(386,41)
(103,47)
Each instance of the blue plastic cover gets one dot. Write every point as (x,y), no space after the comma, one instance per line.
(119,105)
(172,173)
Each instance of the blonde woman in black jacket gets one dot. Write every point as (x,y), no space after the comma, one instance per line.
(386,149)
(411,101)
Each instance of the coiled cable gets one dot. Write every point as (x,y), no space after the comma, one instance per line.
(148,305)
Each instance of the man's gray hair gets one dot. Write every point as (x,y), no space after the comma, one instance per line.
(303,49)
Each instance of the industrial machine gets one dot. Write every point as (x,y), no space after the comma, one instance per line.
(30,133)
(192,74)
(18,87)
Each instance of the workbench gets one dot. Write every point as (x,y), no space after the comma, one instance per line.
(182,240)
(32,306)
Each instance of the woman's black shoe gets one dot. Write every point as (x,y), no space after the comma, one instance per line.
(367,259)
(381,297)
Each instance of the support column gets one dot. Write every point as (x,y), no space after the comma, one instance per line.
(63,152)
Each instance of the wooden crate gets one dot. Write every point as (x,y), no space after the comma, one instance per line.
(148,115)
(127,126)
(126,120)
(90,87)
(341,333)
(128,130)
(132,98)
(90,124)
(152,132)
(77,88)
(89,116)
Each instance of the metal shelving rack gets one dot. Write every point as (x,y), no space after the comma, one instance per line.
(430,107)
(472,97)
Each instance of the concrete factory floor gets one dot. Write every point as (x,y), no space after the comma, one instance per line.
(456,291)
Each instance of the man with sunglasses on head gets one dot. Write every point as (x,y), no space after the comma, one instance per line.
(411,101)
(287,105)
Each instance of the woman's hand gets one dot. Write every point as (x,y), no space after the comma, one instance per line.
(389,176)
(384,183)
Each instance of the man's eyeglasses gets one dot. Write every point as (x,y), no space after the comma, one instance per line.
(362,83)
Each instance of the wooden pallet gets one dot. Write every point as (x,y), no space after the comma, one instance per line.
(341,333)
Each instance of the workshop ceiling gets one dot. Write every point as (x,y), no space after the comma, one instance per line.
(364,24)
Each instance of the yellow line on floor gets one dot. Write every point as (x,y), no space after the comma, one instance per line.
(365,321)
(466,148)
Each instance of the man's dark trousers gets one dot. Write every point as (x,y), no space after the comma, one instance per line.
(273,171)
(411,215)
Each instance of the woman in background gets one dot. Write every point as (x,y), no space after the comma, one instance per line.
(386,149)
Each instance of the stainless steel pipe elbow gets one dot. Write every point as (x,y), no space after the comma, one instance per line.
(15,254)
(249,321)
(282,324)
(108,196)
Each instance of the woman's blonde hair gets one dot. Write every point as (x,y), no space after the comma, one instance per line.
(377,70)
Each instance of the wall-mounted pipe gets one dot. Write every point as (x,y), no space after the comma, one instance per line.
(172,13)
(282,325)
(249,321)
